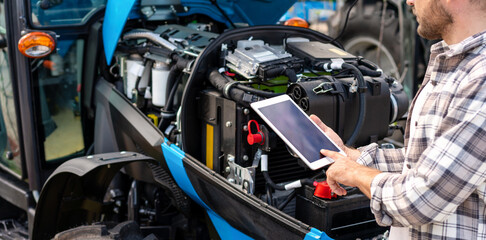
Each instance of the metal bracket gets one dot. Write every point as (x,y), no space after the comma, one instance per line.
(241,177)
(323,88)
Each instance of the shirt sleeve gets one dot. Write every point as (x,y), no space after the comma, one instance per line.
(449,170)
(385,160)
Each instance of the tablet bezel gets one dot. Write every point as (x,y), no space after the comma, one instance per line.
(282,98)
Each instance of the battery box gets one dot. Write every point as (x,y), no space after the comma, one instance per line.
(347,217)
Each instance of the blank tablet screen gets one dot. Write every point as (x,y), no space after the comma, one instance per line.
(298,129)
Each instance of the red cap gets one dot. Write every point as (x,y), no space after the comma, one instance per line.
(323,190)
(255,138)
(258,137)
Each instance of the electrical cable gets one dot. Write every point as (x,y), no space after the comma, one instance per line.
(269,195)
(223,12)
(362,102)
(337,64)
(382,29)
(289,198)
(345,23)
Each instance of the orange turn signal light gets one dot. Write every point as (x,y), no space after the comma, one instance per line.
(297,22)
(36,44)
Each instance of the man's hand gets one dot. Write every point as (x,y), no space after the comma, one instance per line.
(351,152)
(346,171)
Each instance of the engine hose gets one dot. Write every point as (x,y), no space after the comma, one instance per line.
(257,92)
(173,80)
(307,181)
(270,183)
(290,73)
(170,98)
(253,90)
(168,113)
(368,72)
(154,37)
(181,62)
(175,72)
(283,70)
(362,102)
(227,88)
(367,63)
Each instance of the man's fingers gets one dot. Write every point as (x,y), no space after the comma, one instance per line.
(318,121)
(335,187)
(331,154)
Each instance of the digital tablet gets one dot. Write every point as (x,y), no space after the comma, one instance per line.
(296,129)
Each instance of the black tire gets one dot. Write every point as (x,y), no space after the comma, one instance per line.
(362,34)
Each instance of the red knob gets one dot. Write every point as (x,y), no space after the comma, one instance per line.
(323,190)
(257,137)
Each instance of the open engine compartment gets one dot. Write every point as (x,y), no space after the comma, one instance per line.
(196,87)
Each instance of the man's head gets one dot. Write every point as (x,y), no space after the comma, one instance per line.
(434,20)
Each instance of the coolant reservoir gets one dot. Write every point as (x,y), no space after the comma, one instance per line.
(160,73)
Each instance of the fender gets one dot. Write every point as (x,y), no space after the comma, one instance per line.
(73,194)
(229,208)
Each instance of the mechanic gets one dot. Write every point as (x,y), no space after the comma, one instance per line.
(435,186)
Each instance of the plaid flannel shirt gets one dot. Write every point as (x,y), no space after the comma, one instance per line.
(442,191)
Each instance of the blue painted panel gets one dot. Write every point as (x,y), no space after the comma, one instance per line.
(225,230)
(253,12)
(116,15)
(315,234)
(174,156)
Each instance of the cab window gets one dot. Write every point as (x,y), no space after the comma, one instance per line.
(63,12)
(58,83)
(9,137)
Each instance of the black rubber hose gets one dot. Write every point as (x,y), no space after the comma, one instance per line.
(289,198)
(269,195)
(221,83)
(170,99)
(175,72)
(270,183)
(168,113)
(369,72)
(282,70)
(253,90)
(229,91)
(307,181)
(173,80)
(257,92)
(362,102)
(367,63)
